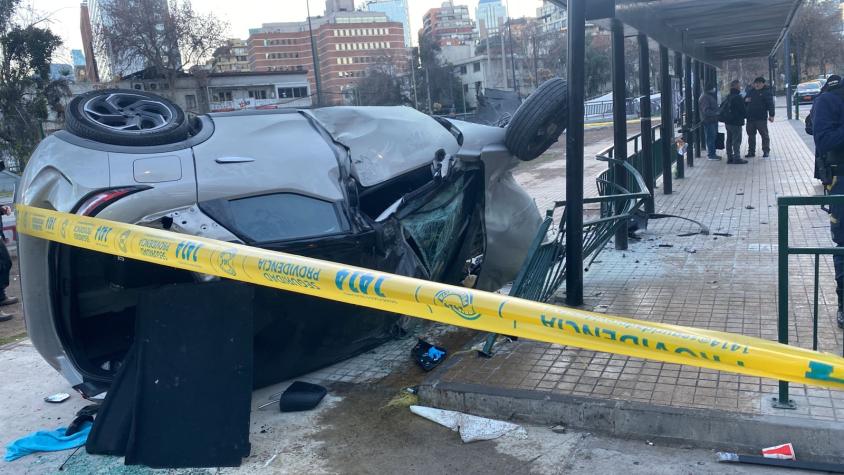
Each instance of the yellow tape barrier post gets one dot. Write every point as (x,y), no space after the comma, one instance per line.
(439,302)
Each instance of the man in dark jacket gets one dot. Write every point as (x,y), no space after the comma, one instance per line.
(5,269)
(828,131)
(708,106)
(759,101)
(732,114)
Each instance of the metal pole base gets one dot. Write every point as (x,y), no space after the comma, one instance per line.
(788,404)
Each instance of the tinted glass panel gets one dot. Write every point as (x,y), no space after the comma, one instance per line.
(283,217)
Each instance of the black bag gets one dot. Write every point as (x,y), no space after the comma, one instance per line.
(719,141)
(725,111)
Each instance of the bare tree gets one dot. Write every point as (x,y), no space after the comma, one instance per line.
(816,36)
(166,36)
(380,86)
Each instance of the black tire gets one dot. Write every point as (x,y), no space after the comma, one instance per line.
(539,121)
(146,119)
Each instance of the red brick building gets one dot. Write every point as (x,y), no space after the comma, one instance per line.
(449,25)
(348,44)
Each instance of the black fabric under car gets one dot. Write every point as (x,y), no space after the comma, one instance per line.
(182,397)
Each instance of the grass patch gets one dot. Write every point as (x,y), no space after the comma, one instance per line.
(5,340)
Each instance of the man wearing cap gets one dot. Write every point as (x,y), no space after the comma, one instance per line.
(827,127)
(759,102)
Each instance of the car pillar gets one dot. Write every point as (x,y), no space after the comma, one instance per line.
(574,151)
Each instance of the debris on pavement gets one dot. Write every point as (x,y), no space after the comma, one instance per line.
(649,443)
(299,396)
(46,441)
(722,234)
(666,245)
(783,452)
(471,428)
(731,457)
(749,207)
(57,398)
(603,308)
(559,429)
(690,250)
(427,356)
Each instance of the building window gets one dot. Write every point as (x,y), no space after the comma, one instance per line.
(476,67)
(291,92)
(190,101)
(463,69)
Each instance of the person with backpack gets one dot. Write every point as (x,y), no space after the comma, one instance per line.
(708,106)
(827,127)
(759,101)
(732,114)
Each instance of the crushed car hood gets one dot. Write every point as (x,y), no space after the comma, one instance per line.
(374,160)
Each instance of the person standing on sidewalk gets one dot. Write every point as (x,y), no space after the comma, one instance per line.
(732,114)
(5,268)
(759,102)
(708,105)
(828,131)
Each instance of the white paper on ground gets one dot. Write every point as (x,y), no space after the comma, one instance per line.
(471,428)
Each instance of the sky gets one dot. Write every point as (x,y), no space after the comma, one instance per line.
(245,14)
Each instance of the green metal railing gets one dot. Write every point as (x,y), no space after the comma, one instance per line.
(784,251)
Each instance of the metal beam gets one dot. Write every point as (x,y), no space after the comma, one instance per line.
(574,151)
(665,109)
(678,72)
(645,112)
(619,119)
(786,51)
(688,122)
(697,92)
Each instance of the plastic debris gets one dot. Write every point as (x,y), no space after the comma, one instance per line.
(471,428)
(57,398)
(427,355)
(782,452)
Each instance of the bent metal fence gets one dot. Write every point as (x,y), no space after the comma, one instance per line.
(816,370)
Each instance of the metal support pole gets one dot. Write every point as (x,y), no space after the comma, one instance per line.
(771,75)
(315,56)
(786,48)
(696,115)
(574,151)
(665,127)
(782,402)
(689,134)
(678,72)
(619,119)
(797,67)
(645,109)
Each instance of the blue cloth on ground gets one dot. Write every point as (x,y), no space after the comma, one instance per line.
(47,441)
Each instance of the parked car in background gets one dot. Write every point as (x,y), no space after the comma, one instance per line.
(807,91)
(386,188)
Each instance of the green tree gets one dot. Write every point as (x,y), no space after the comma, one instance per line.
(380,86)
(27,92)
(437,86)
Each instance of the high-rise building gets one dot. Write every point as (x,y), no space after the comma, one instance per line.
(348,45)
(113,63)
(490,16)
(396,10)
(91,72)
(553,18)
(335,6)
(449,25)
(233,56)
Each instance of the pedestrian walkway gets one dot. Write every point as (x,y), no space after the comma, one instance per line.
(725,281)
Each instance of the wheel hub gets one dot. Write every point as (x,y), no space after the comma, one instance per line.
(127,112)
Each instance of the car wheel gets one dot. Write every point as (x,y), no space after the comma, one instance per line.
(126,117)
(539,121)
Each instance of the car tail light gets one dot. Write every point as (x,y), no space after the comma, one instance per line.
(95,202)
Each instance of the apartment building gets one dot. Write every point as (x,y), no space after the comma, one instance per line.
(449,25)
(348,43)
(231,57)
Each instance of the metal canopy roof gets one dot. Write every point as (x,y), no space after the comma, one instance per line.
(711,30)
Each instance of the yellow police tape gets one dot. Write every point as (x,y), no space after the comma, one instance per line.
(438,302)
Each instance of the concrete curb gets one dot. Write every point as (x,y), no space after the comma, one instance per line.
(705,428)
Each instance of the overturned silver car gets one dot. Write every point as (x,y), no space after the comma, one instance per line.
(386,188)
